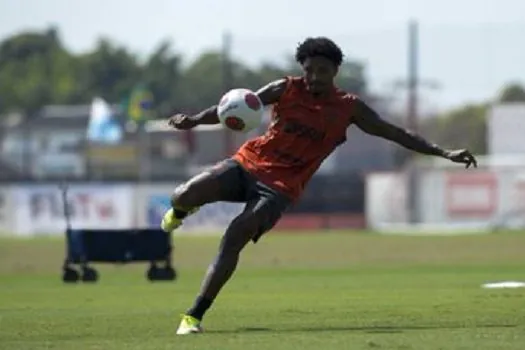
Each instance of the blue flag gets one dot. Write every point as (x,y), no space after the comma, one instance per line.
(102,127)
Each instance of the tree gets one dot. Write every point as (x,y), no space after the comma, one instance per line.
(109,71)
(201,82)
(207,78)
(351,77)
(257,78)
(35,70)
(162,74)
(464,127)
(512,93)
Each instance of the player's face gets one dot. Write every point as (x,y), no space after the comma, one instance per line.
(319,73)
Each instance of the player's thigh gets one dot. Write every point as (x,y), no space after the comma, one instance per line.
(261,213)
(221,182)
(266,207)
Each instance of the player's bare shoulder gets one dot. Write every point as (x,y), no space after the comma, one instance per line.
(350,100)
(347,97)
(350,103)
(272,92)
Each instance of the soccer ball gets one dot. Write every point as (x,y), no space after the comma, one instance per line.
(240,110)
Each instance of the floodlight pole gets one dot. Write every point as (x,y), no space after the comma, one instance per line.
(412,118)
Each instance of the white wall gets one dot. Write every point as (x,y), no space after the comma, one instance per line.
(506,124)
(448,198)
(38,209)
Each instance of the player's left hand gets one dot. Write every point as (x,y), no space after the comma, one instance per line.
(182,122)
(462,156)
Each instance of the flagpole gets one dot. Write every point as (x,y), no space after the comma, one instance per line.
(144,148)
(139,108)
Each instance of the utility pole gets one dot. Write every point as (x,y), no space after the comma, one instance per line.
(412,117)
(412,84)
(413,75)
(227,84)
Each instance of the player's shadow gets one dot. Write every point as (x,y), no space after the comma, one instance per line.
(365,329)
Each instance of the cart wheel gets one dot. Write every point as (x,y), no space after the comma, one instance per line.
(70,275)
(153,273)
(89,275)
(169,273)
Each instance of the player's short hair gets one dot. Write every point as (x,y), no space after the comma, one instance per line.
(320,46)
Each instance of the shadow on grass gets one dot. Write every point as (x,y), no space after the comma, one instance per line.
(365,329)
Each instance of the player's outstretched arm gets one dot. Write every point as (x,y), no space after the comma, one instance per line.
(268,94)
(272,92)
(370,122)
(185,122)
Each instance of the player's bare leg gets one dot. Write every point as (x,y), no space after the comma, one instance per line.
(237,235)
(258,217)
(222,182)
(203,188)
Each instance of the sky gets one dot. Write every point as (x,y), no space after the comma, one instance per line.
(468,48)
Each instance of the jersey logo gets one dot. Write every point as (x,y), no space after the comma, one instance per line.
(295,127)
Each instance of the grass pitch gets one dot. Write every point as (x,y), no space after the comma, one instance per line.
(339,290)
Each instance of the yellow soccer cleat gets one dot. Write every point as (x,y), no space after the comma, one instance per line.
(170,222)
(189,325)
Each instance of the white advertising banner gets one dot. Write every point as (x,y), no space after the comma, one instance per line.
(505,124)
(40,210)
(471,194)
(386,199)
(154,200)
(449,200)
(5,211)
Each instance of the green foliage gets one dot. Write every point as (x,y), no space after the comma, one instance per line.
(464,127)
(351,77)
(36,70)
(109,71)
(201,82)
(161,74)
(512,93)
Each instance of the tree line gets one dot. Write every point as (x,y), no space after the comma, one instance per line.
(466,126)
(36,69)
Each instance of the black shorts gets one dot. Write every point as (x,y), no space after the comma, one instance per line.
(239,186)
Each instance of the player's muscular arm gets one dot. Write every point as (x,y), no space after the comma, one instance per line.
(272,92)
(207,116)
(185,122)
(269,94)
(370,122)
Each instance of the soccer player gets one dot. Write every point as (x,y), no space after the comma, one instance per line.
(309,120)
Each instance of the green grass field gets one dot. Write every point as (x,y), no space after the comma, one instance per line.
(312,291)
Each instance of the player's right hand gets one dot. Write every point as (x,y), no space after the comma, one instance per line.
(462,156)
(182,122)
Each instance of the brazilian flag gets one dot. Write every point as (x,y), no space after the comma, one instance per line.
(140,105)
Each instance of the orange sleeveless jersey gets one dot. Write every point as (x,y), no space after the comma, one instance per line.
(303,132)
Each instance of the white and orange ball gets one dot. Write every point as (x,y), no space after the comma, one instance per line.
(240,110)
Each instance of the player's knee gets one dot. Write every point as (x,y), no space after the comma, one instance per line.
(199,190)
(185,196)
(239,233)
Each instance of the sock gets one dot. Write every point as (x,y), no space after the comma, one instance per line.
(200,307)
